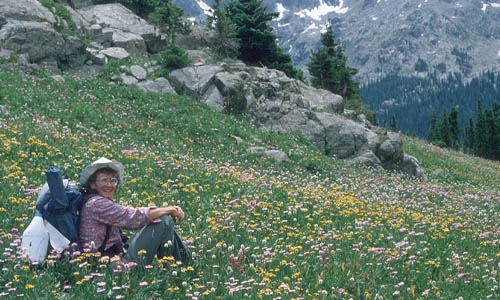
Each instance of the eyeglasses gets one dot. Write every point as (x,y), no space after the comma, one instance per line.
(104,181)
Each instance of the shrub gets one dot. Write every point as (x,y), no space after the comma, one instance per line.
(172,58)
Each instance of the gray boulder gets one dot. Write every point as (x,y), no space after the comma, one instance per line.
(214,98)
(25,10)
(126,29)
(390,151)
(128,79)
(73,52)
(160,86)
(96,57)
(236,97)
(275,154)
(392,157)
(236,87)
(366,158)
(80,3)
(38,40)
(278,155)
(410,166)
(331,133)
(115,53)
(194,81)
(138,72)
(29,29)
(345,138)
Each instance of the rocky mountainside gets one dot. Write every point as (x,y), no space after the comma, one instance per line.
(386,36)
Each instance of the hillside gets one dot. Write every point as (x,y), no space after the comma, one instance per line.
(413,100)
(311,227)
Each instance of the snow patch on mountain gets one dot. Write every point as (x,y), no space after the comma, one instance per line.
(323,9)
(486,5)
(313,27)
(207,10)
(280,9)
(420,4)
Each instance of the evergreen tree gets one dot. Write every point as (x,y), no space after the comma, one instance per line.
(225,41)
(469,137)
(480,146)
(172,58)
(393,125)
(490,135)
(444,131)
(486,133)
(432,135)
(329,70)
(322,65)
(496,125)
(421,65)
(168,17)
(257,40)
(454,131)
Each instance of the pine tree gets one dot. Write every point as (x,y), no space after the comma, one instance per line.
(490,135)
(432,134)
(329,70)
(421,65)
(469,137)
(454,131)
(225,41)
(480,140)
(257,40)
(496,126)
(168,17)
(393,125)
(444,131)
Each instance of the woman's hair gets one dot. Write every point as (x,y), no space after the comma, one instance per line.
(106,170)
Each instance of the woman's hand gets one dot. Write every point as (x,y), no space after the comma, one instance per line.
(175,212)
(178,215)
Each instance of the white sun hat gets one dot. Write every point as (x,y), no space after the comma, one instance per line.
(100,164)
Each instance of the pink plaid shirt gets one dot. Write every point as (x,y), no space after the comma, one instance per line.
(99,212)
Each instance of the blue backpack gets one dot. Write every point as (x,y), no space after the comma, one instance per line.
(59,203)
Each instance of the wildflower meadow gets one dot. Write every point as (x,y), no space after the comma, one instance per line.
(310,228)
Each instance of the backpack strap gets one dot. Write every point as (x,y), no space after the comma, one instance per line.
(86,196)
(106,238)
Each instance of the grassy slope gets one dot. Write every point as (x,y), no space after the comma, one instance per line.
(311,228)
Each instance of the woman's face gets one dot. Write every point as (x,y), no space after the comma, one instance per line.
(105,184)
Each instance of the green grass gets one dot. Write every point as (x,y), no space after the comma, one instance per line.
(311,228)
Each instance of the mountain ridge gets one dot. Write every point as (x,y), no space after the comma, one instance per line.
(388,37)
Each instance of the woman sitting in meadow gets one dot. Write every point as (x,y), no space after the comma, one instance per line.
(101,220)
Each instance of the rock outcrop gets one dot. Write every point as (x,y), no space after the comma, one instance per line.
(35,34)
(114,25)
(281,104)
(30,30)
